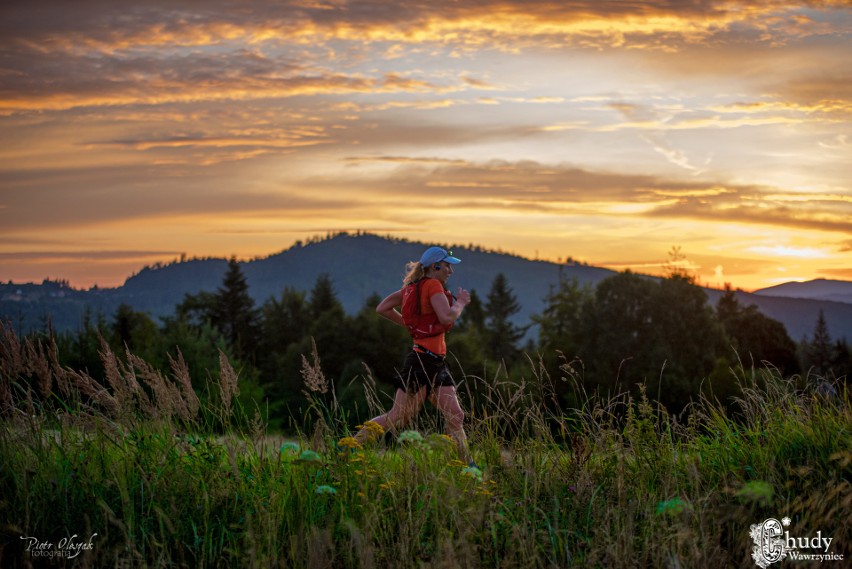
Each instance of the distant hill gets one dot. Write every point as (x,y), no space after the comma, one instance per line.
(359,266)
(820,289)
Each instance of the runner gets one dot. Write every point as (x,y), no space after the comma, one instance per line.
(428,314)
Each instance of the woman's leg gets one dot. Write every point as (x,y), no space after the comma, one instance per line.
(405,407)
(447,401)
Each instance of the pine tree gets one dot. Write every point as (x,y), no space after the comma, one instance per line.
(473,317)
(323,297)
(502,335)
(754,336)
(234,313)
(820,348)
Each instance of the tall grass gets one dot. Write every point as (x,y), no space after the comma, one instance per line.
(167,479)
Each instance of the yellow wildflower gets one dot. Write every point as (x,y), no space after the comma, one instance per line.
(374,428)
(370,431)
(348,442)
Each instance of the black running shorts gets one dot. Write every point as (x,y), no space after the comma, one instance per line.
(421,370)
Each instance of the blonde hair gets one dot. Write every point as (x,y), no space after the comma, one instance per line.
(413,271)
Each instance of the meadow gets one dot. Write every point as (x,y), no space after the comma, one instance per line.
(139,470)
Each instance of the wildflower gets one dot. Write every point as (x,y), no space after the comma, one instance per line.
(373,428)
(289,447)
(441,441)
(756,491)
(673,506)
(410,437)
(309,456)
(324,489)
(387,485)
(472,472)
(348,442)
(457,463)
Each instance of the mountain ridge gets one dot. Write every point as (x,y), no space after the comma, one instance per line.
(360,266)
(819,289)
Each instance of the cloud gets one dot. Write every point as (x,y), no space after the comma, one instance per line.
(787,251)
(84,256)
(230,118)
(171,51)
(842,274)
(531,186)
(113,196)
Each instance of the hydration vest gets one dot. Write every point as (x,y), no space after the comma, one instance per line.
(420,325)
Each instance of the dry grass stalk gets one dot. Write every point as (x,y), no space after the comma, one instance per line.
(141,396)
(39,367)
(371,394)
(97,393)
(64,378)
(312,374)
(167,395)
(320,548)
(35,364)
(228,383)
(7,402)
(180,372)
(11,356)
(11,366)
(114,371)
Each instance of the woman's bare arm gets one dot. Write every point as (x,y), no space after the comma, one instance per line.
(449,314)
(388,308)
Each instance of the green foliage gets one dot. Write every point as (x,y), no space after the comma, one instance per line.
(636,489)
(640,331)
(823,359)
(630,330)
(234,315)
(501,335)
(755,336)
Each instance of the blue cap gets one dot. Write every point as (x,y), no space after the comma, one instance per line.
(436,255)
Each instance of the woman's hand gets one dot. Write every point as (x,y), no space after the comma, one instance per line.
(463,297)
(448,314)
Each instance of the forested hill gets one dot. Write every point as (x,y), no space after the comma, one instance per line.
(359,266)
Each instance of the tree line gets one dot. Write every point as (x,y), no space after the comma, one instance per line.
(628,331)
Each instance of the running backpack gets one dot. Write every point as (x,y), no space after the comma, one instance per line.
(420,325)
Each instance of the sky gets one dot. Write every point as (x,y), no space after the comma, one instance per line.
(615,133)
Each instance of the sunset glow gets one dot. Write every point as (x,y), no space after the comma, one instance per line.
(603,131)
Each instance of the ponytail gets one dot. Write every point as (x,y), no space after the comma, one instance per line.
(413,272)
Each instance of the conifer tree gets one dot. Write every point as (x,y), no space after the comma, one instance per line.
(820,348)
(502,336)
(234,313)
(323,298)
